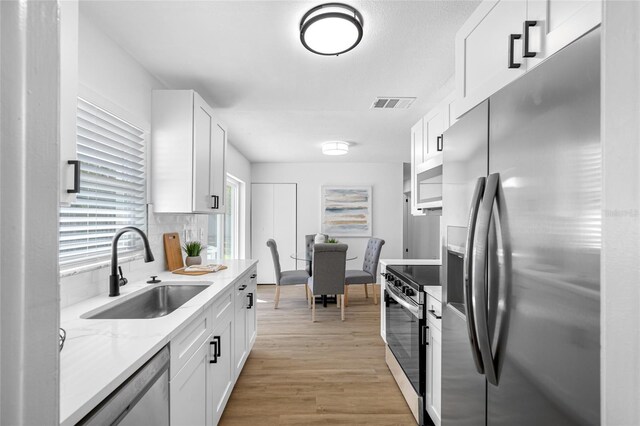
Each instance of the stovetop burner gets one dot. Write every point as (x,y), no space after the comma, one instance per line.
(417,275)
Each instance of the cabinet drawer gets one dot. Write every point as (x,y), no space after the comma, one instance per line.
(185,344)
(434,311)
(223,303)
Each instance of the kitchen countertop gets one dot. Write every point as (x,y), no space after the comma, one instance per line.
(432,290)
(100,354)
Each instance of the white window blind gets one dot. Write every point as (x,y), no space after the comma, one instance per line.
(112,189)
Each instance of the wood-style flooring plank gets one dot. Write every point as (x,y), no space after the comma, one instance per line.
(330,372)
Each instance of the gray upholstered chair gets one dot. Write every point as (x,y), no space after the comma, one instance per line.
(329,262)
(369,270)
(284,277)
(308,249)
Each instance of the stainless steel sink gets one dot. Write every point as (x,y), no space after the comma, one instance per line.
(154,303)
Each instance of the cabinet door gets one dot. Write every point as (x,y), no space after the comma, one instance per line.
(417,143)
(218,172)
(417,157)
(436,374)
(202,143)
(221,372)
(433,129)
(434,365)
(252,315)
(189,390)
(240,325)
(68,98)
(483,50)
(558,23)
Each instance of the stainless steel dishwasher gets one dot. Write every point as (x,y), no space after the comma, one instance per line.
(142,400)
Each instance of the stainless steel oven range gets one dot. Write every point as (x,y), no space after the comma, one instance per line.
(406,328)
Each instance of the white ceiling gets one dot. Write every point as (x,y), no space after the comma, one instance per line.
(279,101)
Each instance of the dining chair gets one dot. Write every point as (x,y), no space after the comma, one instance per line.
(328,275)
(366,275)
(309,242)
(285,277)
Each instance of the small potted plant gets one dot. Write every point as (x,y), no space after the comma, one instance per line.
(332,241)
(193,249)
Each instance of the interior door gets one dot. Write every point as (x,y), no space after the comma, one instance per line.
(262,216)
(273,215)
(285,222)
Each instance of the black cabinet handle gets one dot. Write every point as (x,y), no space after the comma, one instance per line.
(250,296)
(526,53)
(216,349)
(216,201)
(439,143)
(215,352)
(76,176)
(433,312)
(242,287)
(512,39)
(218,345)
(253,276)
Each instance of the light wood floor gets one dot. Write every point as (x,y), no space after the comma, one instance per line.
(328,372)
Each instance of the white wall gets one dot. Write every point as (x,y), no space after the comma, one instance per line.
(384,178)
(620,293)
(113,80)
(239,167)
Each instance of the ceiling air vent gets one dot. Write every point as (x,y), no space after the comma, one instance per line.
(392,103)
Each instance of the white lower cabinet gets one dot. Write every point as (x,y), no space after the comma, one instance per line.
(221,367)
(252,316)
(189,390)
(433,400)
(240,323)
(245,318)
(209,353)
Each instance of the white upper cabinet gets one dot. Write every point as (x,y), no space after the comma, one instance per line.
(489,51)
(417,146)
(553,24)
(427,143)
(188,147)
(503,39)
(69,165)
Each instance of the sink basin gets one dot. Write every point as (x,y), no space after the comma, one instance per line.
(154,303)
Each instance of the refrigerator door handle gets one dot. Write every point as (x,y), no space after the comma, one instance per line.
(479,277)
(468,273)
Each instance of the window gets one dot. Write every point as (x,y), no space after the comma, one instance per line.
(224,230)
(112,189)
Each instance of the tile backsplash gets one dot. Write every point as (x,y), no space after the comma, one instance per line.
(84,285)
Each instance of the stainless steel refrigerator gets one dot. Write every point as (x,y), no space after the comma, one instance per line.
(521,279)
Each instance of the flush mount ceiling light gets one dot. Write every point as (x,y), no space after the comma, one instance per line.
(331,29)
(335,148)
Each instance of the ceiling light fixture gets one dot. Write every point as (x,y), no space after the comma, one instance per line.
(331,29)
(335,148)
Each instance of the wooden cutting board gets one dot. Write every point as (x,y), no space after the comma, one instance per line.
(181,271)
(173,251)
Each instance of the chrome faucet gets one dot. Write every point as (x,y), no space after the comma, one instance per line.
(115,280)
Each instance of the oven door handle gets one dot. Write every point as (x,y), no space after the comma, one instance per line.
(415,310)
